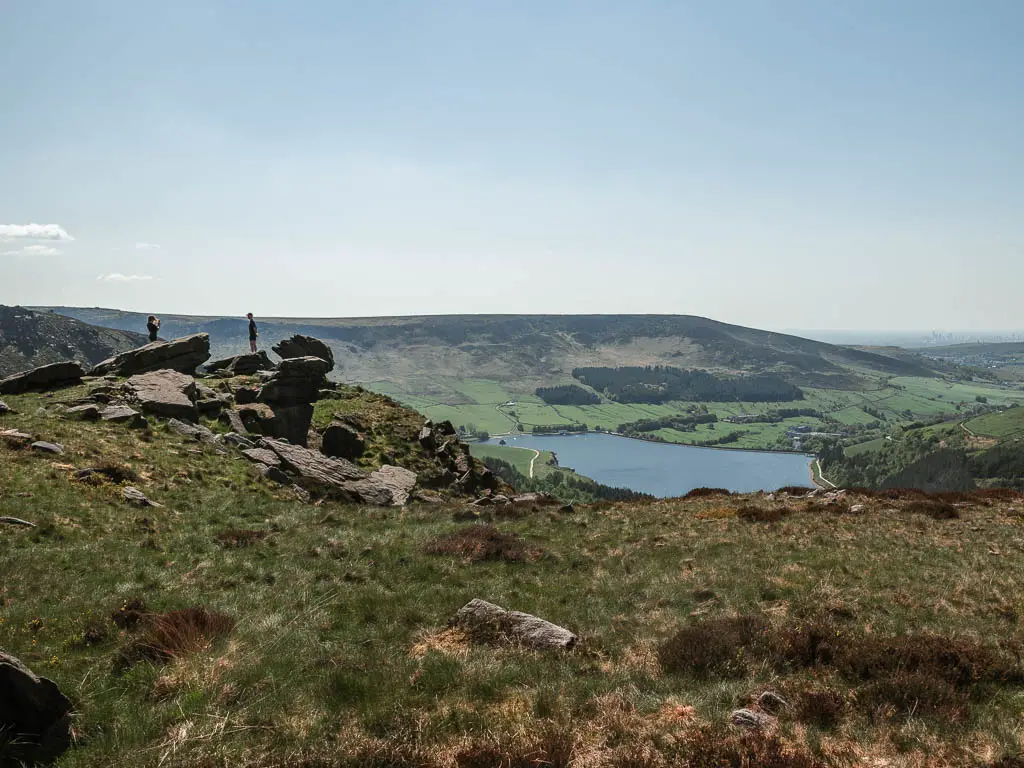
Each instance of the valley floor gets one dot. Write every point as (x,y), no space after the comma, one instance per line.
(890,625)
(498,407)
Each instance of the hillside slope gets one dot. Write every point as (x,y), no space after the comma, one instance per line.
(237,625)
(537,349)
(32,338)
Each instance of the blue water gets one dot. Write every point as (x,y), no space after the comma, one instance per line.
(664,469)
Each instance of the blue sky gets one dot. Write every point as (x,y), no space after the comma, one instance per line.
(776,164)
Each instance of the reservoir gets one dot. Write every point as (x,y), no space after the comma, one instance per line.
(667,469)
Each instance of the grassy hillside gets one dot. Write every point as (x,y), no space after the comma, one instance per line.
(29,339)
(536,347)
(1002,425)
(326,642)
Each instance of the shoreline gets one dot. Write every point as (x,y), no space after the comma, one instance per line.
(644,440)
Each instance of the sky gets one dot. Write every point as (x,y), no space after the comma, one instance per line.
(771,163)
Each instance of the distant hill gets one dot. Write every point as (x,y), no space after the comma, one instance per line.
(31,338)
(1013,348)
(537,350)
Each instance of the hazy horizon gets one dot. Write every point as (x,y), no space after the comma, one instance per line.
(777,166)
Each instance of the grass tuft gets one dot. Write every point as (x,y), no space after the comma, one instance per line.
(755,514)
(166,636)
(235,538)
(483,543)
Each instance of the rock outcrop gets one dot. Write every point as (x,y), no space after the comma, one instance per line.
(297,380)
(183,355)
(164,393)
(342,441)
(45,377)
(387,486)
(34,715)
(459,469)
(492,623)
(304,346)
(290,393)
(242,365)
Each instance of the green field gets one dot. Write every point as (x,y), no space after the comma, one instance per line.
(1008,423)
(519,458)
(481,403)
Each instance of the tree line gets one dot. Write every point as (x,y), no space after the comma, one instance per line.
(565,485)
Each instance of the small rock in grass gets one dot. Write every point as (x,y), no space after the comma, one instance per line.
(119,414)
(137,498)
(478,618)
(89,412)
(748,718)
(15,438)
(772,702)
(44,447)
(193,431)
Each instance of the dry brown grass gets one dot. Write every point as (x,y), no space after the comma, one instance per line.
(713,646)
(482,543)
(757,514)
(700,493)
(234,538)
(933,508)
(165,636)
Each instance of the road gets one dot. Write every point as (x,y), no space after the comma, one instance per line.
(536,455)
(822,477)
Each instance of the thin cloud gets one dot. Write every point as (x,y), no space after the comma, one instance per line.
(33,232)
(117,277)
(35,250)
(146,246)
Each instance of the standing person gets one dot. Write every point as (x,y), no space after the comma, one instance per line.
(153,326)
(253,333)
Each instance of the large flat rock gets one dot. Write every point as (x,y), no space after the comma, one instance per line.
(389,486)
(164,393)
(386,487)
(242,365)
(42,378)
(183,355)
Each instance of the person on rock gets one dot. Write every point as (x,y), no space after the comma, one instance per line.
(153,326)
(253,334)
